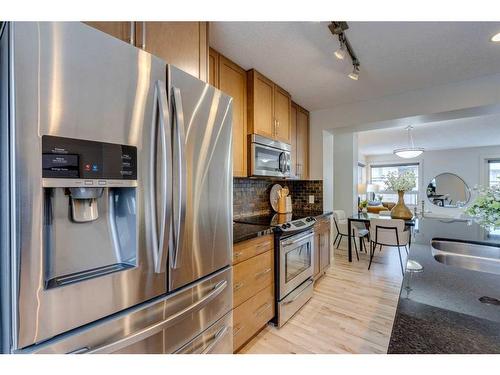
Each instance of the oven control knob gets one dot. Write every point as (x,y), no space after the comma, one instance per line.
(284,226)
(288,225)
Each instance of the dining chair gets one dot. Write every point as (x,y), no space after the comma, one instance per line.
(341,225)
(388,232)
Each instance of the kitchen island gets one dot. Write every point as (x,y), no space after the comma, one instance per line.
(444,308)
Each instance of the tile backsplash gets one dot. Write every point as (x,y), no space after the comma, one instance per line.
(251,195)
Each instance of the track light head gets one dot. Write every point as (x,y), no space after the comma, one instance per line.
(340,52)
(354,75)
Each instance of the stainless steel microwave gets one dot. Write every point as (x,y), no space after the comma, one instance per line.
(268,158)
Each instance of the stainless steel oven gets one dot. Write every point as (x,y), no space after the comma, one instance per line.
(296,265)
(268,157)
(294,274)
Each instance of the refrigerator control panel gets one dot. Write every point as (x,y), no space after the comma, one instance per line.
(78,158)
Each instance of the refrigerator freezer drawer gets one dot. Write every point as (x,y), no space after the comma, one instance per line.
(160,326)
(218,339)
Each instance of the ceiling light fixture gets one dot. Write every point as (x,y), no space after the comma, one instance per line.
(496,38)
(411,151)
(337,28)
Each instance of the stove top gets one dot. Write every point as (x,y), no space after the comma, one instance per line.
(284,222)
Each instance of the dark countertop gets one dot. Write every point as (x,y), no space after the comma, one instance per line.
(243,232)
(439,309)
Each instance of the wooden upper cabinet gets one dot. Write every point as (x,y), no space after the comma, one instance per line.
(268,108)
(260,105)
(293,135)
(120,30)
(302,167)
(182,44)
(282,102)
(213,68)
(232,80)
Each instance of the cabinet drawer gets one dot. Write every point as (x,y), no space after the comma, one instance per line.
(251,276)
(247,249)
(252,315)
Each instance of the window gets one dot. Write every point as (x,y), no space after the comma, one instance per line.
(494,179)
(361,173)
(378,175)
(494,172)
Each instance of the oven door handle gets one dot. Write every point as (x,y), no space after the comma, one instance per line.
(296,240)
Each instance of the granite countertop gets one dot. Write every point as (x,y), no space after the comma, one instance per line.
(439,309)
(243,232)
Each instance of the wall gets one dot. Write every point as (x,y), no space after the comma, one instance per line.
(251,195)
(345,161)
(468,163)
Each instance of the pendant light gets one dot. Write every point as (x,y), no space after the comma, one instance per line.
(411,151)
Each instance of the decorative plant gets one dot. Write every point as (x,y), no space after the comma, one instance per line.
(403,182)
(363,204)
(486,208)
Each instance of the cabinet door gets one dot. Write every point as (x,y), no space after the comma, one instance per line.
(293,138)
(260,105)
(302,144)
(120,30)
(282,104)
(233,81)
(316,257)
(213,68)
(182,44)
(325,250)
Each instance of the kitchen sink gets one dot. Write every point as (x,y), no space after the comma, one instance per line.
(468,255)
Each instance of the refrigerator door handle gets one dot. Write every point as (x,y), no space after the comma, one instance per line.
(216,339)
(158,327)
(179,156)
(161,117)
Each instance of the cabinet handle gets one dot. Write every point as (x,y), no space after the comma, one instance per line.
(262,308)
(143,35)
(132,32)
(262,273)
(238,286)
(237,254)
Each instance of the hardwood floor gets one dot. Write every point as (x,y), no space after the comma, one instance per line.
(352,310)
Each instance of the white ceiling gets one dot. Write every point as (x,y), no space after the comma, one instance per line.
(443,135)
(395,56)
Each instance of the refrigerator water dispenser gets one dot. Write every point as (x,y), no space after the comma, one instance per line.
(90,209)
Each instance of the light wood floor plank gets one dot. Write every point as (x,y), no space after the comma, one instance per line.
(352,310)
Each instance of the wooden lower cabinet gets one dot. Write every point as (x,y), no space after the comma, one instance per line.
(322,254)
(251,316)
(251,275)
(253,288)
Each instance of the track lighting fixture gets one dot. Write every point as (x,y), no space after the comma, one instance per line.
(337,28)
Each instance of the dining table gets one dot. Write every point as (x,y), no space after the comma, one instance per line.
(365,217)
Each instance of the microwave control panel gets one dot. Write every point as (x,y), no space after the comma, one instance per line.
(82,159)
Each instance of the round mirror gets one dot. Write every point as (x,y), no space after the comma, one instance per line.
(448,190)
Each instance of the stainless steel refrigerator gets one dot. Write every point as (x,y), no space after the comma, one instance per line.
(116,198)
